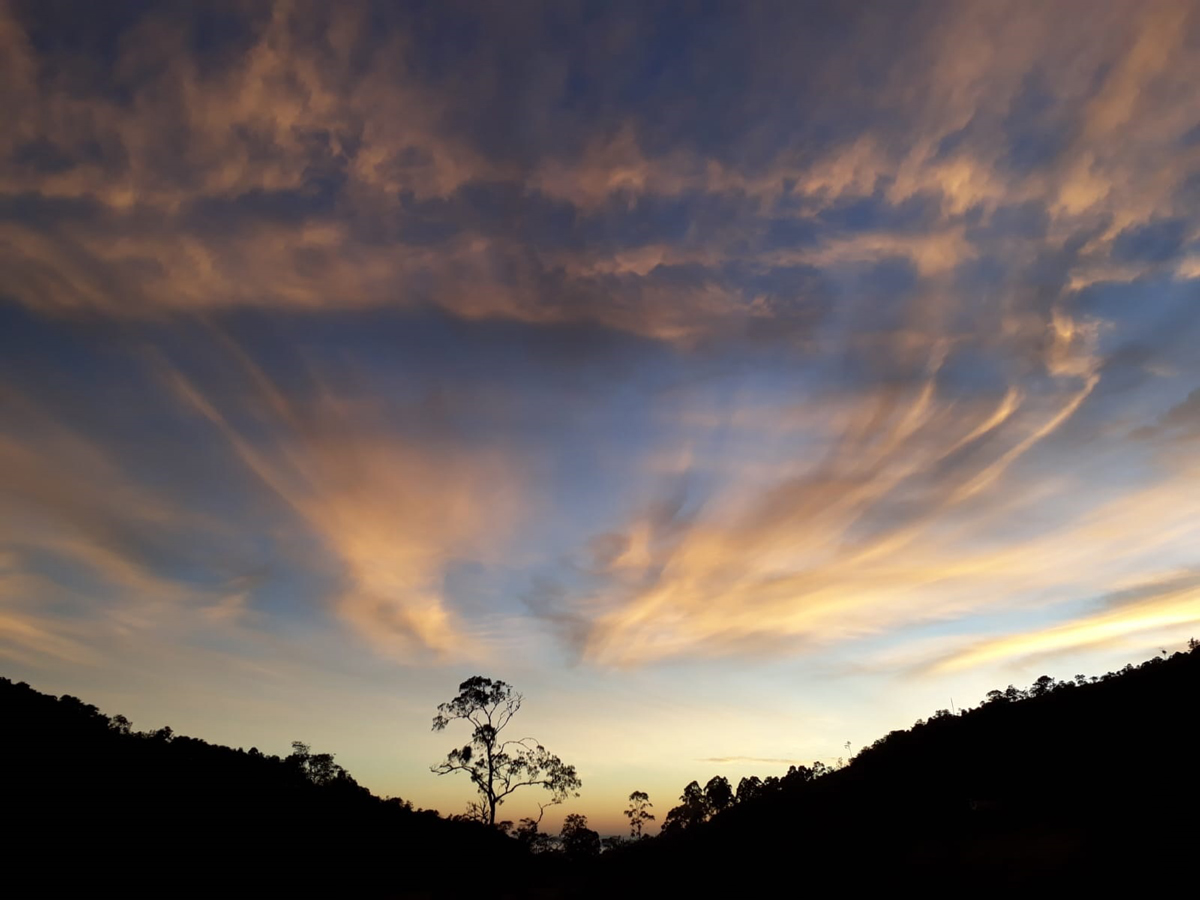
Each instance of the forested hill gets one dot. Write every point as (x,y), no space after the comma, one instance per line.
(92,806)
(1086,784)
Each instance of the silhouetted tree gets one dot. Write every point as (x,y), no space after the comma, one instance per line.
(1014,793)
(1044,685)
(749,788)
(293,825)
(536,841)
(319,768)
(475,812)
(1013,693)
(797,775)
(718,795)
(579,841)
(497,767)
(638,813)
(1009,795)
(692,810)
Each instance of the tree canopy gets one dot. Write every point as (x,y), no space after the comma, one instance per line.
(497,767)
(638,813)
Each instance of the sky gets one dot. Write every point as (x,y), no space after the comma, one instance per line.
(739,381)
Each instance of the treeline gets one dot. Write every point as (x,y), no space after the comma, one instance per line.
(1090,783)
(90,803)
(700,804)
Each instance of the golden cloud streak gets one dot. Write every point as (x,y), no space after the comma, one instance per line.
(817,557)
(1167,611)
(393,512)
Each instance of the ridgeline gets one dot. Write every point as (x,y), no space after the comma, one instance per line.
(1085,785)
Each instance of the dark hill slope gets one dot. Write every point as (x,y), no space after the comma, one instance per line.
(91,807)
(1063,788)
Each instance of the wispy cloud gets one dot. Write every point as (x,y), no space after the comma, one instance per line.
(393,509)
(811,349)
(765,760)
(322,166)
(1143,617)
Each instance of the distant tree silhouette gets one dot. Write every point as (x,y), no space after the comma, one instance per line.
(699,805)
(749,788)
(692,810)
(1016,795)
(638,813)
(718,795)
(83,789)
(532,838)
(797,775)
(476,811)
(495,766)
(579,841)
(319,768)
(1044,685)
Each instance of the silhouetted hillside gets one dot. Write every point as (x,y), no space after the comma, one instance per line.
(1088,784)
(90,805)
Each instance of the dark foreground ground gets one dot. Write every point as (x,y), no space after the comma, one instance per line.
(1089,787)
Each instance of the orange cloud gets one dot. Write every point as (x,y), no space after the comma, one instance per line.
(300,106)
(1171,608)
(849,514)
(884,519)
(393,512)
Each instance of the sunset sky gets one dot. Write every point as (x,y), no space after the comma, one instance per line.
(737,380)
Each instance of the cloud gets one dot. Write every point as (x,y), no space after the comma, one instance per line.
(1179,423)
(65,495)
(1154,242)
(851,515)
(846,288)
(1141,616)
(393,510)
(304,158)
(93,556)
(212,494)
